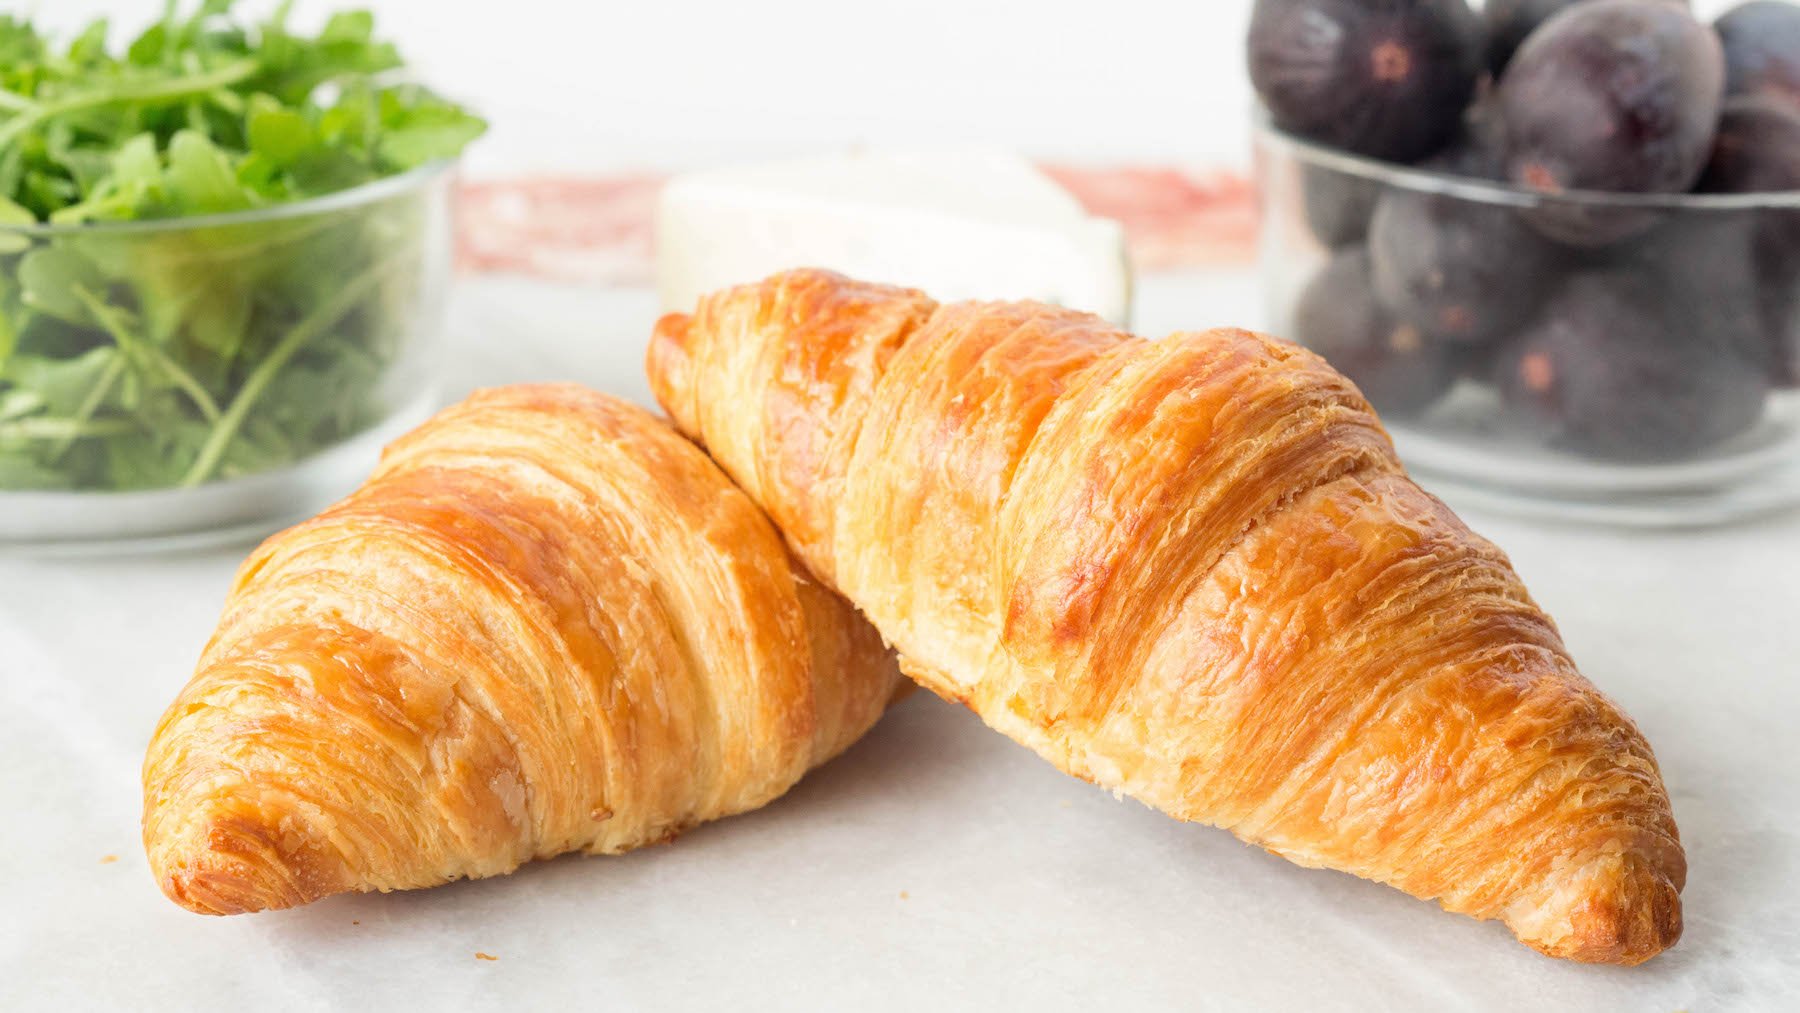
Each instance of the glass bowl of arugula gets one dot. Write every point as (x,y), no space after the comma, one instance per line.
(224,253)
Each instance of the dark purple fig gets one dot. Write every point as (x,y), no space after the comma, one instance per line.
(1337,204)
(1511,22)
(1397,369)
(1778,297)
(1606,372)
(1384,78)
(1762,50)
(1757,150)
(1460,269)
(1702,267)
(1613,95)
(1484,128)
(1781,309)
(1581,223)
(1478,153)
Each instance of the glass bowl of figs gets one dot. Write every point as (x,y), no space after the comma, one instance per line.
(1555,242)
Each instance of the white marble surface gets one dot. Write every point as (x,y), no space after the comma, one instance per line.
(936,864)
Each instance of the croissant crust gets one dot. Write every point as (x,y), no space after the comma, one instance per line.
(1193,571)
(546,624)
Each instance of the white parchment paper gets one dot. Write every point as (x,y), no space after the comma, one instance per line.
(934,865)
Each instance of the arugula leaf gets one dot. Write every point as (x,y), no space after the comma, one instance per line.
(9,338)
(13,214)
(420,128)
(49,276)
(60,385)
(348,27)
(200,178)
(20,470)
(147,49)
(19,403)
(279,134)
(151,359)
(90,46)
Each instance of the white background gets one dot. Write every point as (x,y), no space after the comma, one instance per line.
(573,84)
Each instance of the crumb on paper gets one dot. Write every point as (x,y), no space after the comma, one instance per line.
(1065,804)
(108,859)
(485,956)
(903,895)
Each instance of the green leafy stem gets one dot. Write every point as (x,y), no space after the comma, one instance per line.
(320,318)
(147,353)
(63,430)
(84,414)
(32,113)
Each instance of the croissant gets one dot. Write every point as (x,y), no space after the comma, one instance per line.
(1192,571)
(546,624)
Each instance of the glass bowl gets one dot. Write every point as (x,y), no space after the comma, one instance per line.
(1607,357)
(194,378)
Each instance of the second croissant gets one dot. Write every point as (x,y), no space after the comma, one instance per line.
(1193,571)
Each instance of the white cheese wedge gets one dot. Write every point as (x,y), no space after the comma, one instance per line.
(962,224)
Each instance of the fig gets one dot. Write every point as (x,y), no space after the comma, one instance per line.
(1781,314)
(1581,223)
(1757,150)
(1383,78)
(1762,50)
(1395,366)
(1484,128)
(1461,270)
(1511,22)
(1605,372)
(1613,95)
(1479,153)
(1337,204)
(1702,268)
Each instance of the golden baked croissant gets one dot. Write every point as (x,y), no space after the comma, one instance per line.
(546,624)
(1190,570)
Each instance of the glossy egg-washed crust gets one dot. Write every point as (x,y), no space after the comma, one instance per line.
(546,624)
(1190,570)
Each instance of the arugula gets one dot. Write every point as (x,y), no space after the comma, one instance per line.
(156,357)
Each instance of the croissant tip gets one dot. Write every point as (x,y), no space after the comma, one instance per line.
(1638,917)
(231,865)
(210,892)
(1632,933)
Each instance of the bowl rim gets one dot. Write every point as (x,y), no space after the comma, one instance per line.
(1488,191)
(372,192)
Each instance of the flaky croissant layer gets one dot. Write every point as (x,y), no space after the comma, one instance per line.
(546,624)
(1191,570)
